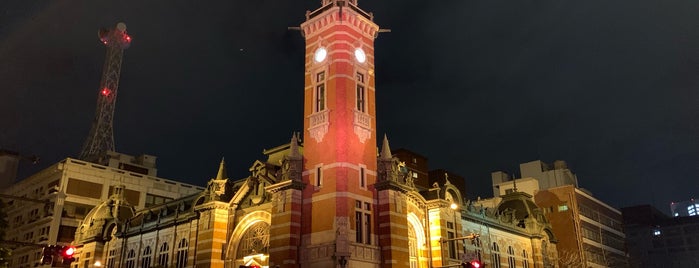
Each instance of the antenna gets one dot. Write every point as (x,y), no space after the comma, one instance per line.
(101,136)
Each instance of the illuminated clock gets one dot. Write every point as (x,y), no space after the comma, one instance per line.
(320,54)
(360,55)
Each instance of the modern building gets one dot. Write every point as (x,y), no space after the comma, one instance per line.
(685,208)
(329,202)
(589,231)
(657,240)
(47,207)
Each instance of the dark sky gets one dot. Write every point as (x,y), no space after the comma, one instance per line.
(612,87)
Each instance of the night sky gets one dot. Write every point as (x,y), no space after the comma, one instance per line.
(612,87)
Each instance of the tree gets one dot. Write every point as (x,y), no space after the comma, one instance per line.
(568,258)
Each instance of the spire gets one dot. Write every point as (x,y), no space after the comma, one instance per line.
(222,170)
(294,147)
(385,149)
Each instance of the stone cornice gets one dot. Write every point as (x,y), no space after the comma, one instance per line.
(285,185)
(339,15)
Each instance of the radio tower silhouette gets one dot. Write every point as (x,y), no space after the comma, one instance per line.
(101,137)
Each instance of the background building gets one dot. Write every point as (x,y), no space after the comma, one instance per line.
(47,207)
(657,240)
(685,208)
(589,231)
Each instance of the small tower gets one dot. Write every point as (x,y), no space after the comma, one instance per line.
(101,137)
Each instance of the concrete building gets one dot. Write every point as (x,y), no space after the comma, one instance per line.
(47,207)
(329,202)
(657,240)
(589,231)
(685,208)
(417,164)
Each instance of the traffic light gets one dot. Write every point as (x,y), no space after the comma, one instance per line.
(48,253)
(471,264)
(66,253)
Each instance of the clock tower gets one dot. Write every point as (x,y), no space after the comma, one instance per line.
(340,153)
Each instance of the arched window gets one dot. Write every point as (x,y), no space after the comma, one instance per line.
(495,256)
(131,259)
(412,247)
(147,256)
(525,257)
(181,254)
(163,255)
(510,256)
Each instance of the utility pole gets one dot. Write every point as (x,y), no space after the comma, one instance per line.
(101,137)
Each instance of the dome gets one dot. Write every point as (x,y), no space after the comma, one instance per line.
(99,223)
(522,205)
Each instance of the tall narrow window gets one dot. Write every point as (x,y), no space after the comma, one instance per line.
(361,93)
(525,257)
(511,256)
(320,92)
(452,245)
(412,247)
(320,97)
(358,226)
(146,259)
(362,218)
(319,176)
(367,229)
(163,255)
(131,259)
(362,180)
(181,261)
(110,258)
(495,255)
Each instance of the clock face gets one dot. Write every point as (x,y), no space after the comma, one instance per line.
(320,54)
(360,55)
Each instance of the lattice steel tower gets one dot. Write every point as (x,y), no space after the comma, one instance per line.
(101,137)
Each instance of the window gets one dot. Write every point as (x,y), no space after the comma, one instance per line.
(452,244)
(360,78)
(563,207)
(131,259)
(525,259)
(362,222)
(495,257)
(319,176)
(361,93)
(657,232)
(163,255)
(320,97)
(362,179)
(110,257)
(412,247)
(146,259)
(360,98)
(320,92)
(181,254)
(511,256)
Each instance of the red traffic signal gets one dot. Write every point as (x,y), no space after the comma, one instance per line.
(67,253)
(471,264)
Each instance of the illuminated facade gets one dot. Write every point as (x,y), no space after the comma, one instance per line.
(53,202)
(330,201)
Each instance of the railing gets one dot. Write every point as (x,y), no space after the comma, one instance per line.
(318,118)
(362,119)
